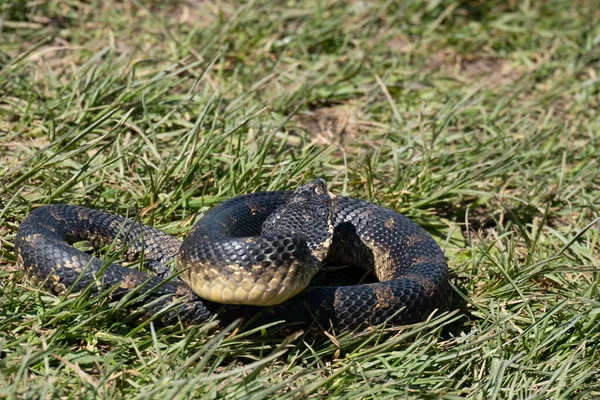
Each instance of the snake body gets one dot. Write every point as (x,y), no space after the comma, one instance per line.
(258,239)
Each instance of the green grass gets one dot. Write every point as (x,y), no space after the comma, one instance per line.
(478,119)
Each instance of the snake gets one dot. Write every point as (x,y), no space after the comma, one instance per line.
(253,254)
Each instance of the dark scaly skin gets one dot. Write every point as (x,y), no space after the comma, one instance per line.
(402,254)
(410,265)
(267,268)
(43,250)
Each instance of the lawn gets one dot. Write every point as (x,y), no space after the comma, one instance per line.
(480,120)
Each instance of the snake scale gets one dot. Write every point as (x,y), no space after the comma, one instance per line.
(259,249)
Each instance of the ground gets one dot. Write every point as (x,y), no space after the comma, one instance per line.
(477,119)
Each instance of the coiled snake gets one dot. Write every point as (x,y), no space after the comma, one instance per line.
(260,249)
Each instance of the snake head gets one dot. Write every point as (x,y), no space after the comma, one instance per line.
(307,213)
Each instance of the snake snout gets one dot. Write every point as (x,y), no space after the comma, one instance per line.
(308,213)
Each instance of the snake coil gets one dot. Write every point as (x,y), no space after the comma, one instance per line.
(260,249)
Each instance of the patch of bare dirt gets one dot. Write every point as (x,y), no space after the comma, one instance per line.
(197,12)
(400,43)
(334,125)
(488,70)
(17,147)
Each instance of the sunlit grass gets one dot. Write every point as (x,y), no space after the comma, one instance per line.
(479,120)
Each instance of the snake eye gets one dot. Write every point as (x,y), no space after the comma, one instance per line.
(268,225)
(322,213)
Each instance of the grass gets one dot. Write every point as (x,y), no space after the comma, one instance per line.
(477,119)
